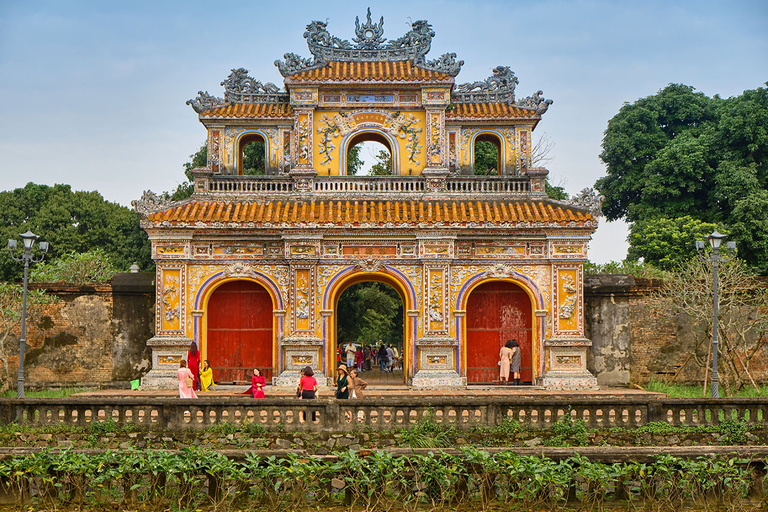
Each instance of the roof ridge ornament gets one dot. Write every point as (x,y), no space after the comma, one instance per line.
(205,101)
(241,88)
(499,88)
(368,46)
(590,199)
(369,35)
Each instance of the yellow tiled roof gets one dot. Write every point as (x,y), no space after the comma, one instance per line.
(251,110)
(400,71)
(485,110)
(376,212)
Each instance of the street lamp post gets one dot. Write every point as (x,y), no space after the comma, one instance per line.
(28,239)
(715,240)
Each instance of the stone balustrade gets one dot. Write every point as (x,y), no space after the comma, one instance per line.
(390,413)
(214,185)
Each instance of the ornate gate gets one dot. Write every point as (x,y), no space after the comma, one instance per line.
(239,331)
(496,312)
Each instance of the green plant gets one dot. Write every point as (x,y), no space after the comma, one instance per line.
(734,432)
(428,433)
(568,432)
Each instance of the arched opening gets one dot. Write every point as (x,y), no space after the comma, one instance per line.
(369,154)
(488,157)
(251,154)
(370,311)
(239,331)
(497,311)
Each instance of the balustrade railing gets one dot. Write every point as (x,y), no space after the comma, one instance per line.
(327,415)
(365,186)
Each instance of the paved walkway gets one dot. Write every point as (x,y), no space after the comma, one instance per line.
(376,391)
(383,384)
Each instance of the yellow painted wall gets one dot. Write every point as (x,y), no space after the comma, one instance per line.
(375,119)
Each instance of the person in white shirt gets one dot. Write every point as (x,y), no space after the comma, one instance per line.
(390,358)
(350,349)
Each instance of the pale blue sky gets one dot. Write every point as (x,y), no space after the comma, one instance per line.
(94,92)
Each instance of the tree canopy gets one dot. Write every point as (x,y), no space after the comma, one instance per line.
(486,158)
(680,153)
(369,312)
(71,221)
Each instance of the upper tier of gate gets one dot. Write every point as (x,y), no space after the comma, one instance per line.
(209,184)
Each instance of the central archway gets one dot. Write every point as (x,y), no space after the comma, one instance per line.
(362,277)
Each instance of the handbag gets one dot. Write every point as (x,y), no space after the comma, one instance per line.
(188,381)
(337,393)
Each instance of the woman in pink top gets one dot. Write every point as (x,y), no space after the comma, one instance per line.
(182,373)
(308,383)
(308,389)
(257,384)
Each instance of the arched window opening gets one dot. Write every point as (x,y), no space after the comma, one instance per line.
(252,155)
(369,154)
(487,155)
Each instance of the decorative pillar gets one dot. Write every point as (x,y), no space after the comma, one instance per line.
(566,351)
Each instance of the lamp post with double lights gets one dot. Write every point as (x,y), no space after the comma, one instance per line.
(28,240)
(715,240)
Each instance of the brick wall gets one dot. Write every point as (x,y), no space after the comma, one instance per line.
(633,344)
(94,336)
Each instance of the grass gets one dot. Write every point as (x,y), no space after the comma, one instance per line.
(45,393)
(681,391)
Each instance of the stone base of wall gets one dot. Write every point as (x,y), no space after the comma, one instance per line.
(438,379)
(578,380)
(290,379)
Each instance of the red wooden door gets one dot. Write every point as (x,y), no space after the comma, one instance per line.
(496,312)
(239,331)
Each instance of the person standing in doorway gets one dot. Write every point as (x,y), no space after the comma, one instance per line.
(515,360)
(390,358)
(505,357)
(350,350)
(367,358)
(382,356)
(193,363)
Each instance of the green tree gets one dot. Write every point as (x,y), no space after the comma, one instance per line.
(186,188)
(383,165)
(75,268)
(354,164)
(369,312)
(667,243)
(254,158)
(70,221)
(680,153)
(486,158)
(555,191)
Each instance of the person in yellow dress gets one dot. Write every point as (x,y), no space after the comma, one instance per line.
(206,376)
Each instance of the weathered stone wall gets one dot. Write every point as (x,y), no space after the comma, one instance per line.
(94,336)
(632,343)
